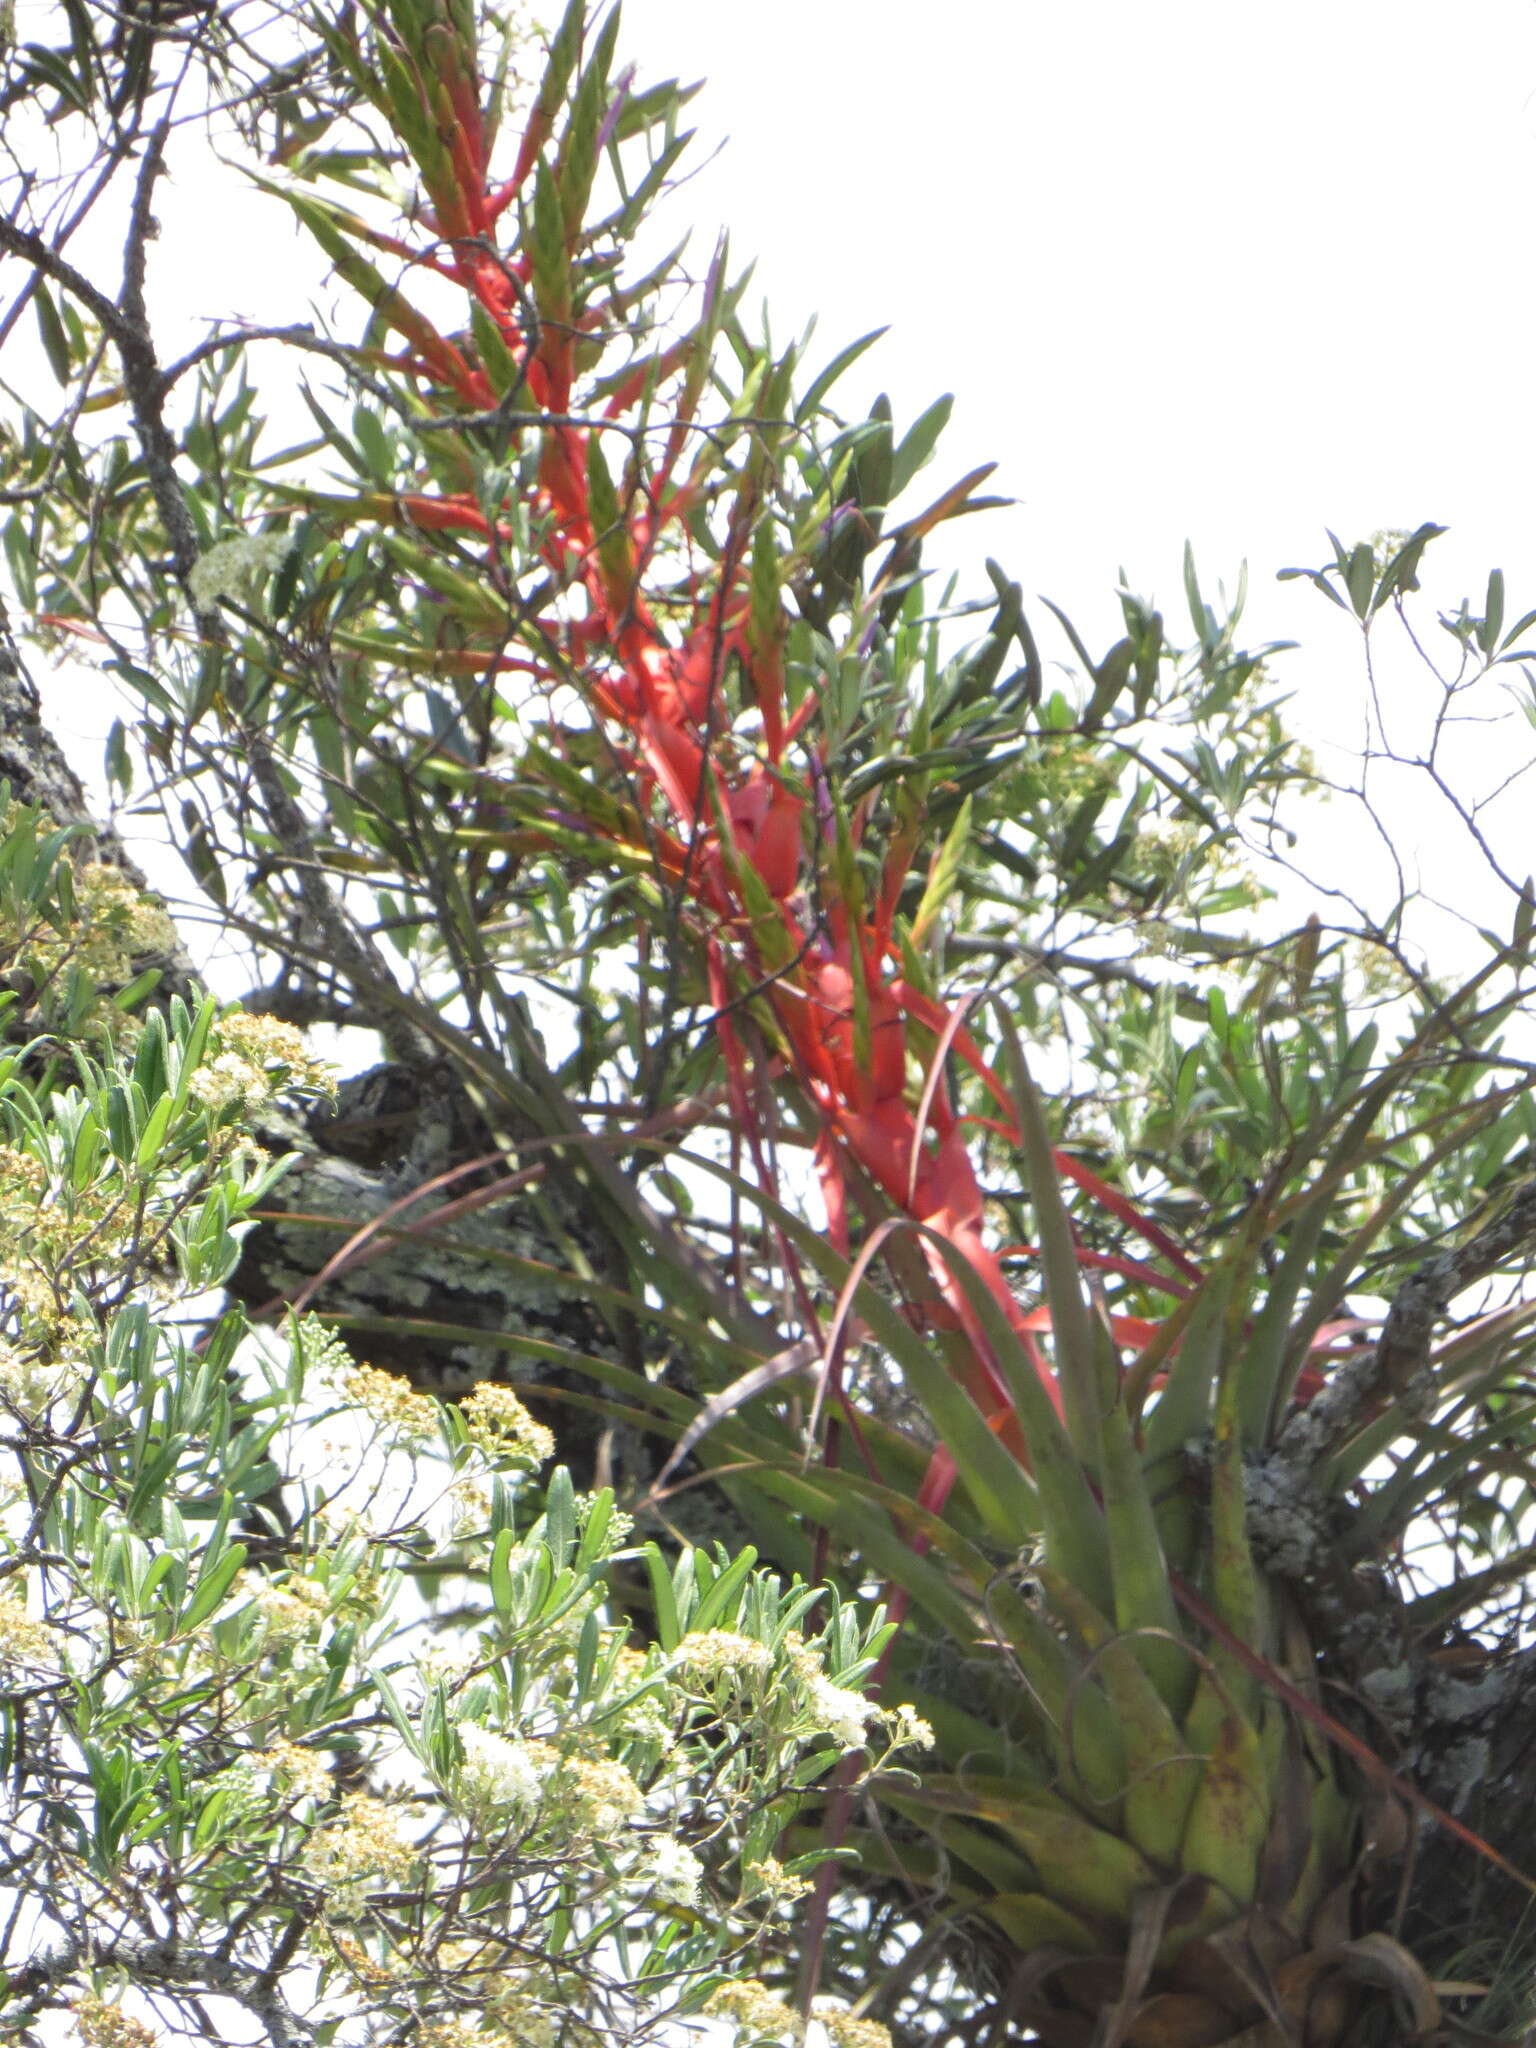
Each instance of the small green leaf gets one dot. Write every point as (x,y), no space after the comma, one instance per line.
(918,443)
(51,330)
(1491,624)
(663,1599)
(211,1587)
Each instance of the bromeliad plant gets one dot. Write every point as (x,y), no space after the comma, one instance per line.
(606,671)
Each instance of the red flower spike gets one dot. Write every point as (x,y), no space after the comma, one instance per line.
(665,708)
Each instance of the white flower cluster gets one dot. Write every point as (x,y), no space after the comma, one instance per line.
(248,1048)
(717,1657)
(649,1714)
(230,567)
(673,1871)
(843,1713)
(292,1609)
(498,1771)
(716,1661)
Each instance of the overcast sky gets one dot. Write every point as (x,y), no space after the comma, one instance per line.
(1228,272)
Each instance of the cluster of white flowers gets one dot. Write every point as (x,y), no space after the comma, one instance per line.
(247,1050)
(291,1609)
(672,1871)
(230,567)
(838,1710)
(720,1656)
(906,1728)
(843,1713)
(649,1714)
(499,1771)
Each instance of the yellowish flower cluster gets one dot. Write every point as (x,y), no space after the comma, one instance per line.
(115,924)
(755,2012)
(392,1402)
(23,1179)
(470,1499)
(770,1880)
(533,2021)
(462,2031)
(303,1771)
(499,1425)
(602,1793)
(23,1640)
(103,2025)
(844,2029)
(758,2015)
(107,898)
(365,1849)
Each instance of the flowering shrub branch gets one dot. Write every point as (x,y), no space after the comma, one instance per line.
(245,1760)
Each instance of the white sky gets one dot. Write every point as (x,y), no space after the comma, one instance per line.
(1194,269)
